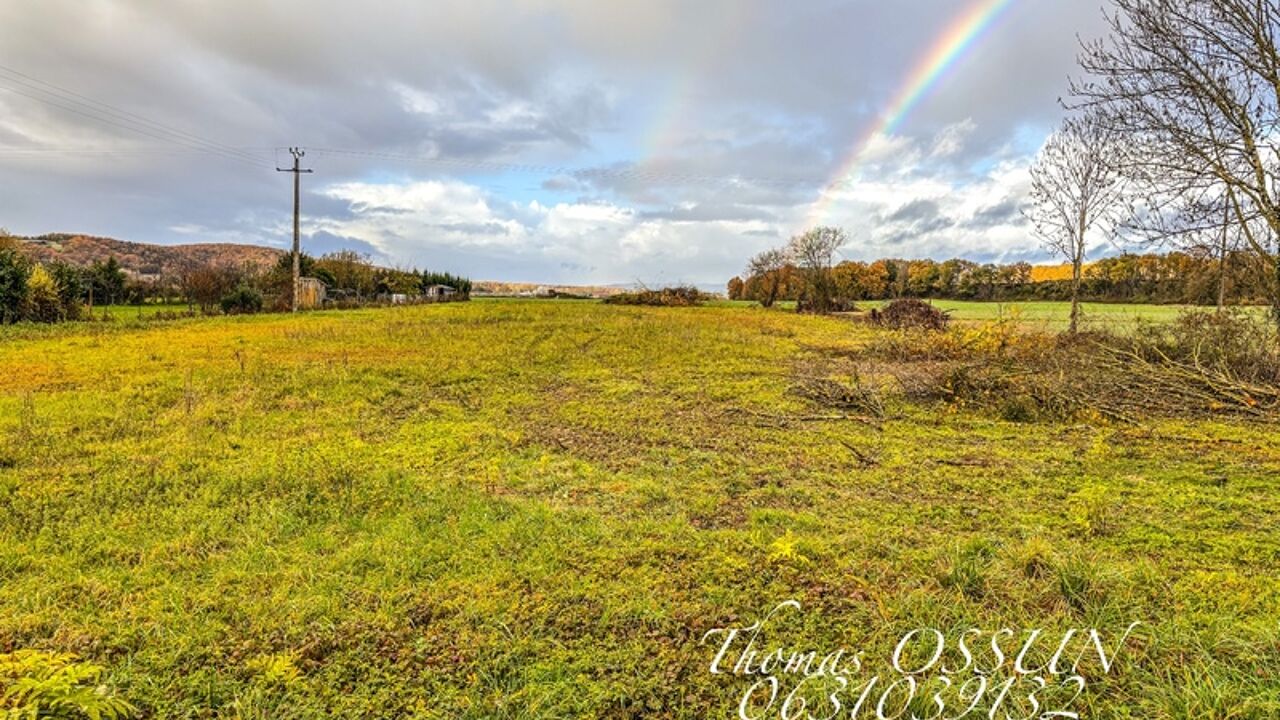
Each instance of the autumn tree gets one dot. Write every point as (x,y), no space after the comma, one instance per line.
(736,288)
(206,285)
(922,277)
(351,272)
(768,266)
(813,253)
(42,303)
(1075,189)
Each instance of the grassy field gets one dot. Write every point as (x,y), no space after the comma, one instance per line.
(132,312)
(1046,315)
(1057,315)
(537,509)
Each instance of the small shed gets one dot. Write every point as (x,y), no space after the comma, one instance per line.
(311,293)
(439,292)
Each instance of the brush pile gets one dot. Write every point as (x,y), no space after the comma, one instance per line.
(666,297)
(1201,365)
(911,314)
(850,393)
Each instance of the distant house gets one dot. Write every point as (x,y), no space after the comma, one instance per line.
(311,293)
(439,292)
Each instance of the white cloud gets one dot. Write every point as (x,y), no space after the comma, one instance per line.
(920,207)
(952,139)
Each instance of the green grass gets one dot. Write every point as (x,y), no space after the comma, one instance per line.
(1048,316)
(1057,315)
(129,312)
(536,509)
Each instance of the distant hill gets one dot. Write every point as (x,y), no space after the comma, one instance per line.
(519,289)
(143,259)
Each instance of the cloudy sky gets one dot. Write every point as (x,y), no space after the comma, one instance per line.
(565,141)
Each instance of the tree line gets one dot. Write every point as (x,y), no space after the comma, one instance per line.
(58,291)
(1173,278)
(349,278)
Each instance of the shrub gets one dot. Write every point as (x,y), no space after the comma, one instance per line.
(14,271)
(666,297)
(164,315)
(1233,343)
(71,288)
(42,303)
(910,313)
(243,299)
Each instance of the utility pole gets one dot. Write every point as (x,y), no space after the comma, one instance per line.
(298,154)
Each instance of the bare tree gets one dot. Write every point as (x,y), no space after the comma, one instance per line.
(1219,242)
(814,252)
(1193,88)
(768,266)
(1074,190)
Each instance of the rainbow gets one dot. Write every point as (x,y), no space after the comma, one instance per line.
(950,47)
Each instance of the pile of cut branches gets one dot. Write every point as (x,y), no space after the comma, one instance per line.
(911,313)
(849,394)
(666,297)
(1202,365)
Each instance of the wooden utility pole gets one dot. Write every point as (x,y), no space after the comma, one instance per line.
(298,154)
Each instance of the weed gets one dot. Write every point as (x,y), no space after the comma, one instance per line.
(1092,508)
(966,568)
(36,684)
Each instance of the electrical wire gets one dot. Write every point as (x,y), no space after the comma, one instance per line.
(82,105)
(73,102)
(620,172)
(22,78)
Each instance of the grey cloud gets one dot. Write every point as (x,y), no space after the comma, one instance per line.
(321,243)
(1006,212)
(915,211)
(917,218)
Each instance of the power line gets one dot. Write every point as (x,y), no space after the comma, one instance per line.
(120,112)
(106,113)
(620,172)
(145,150)
(133,128)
